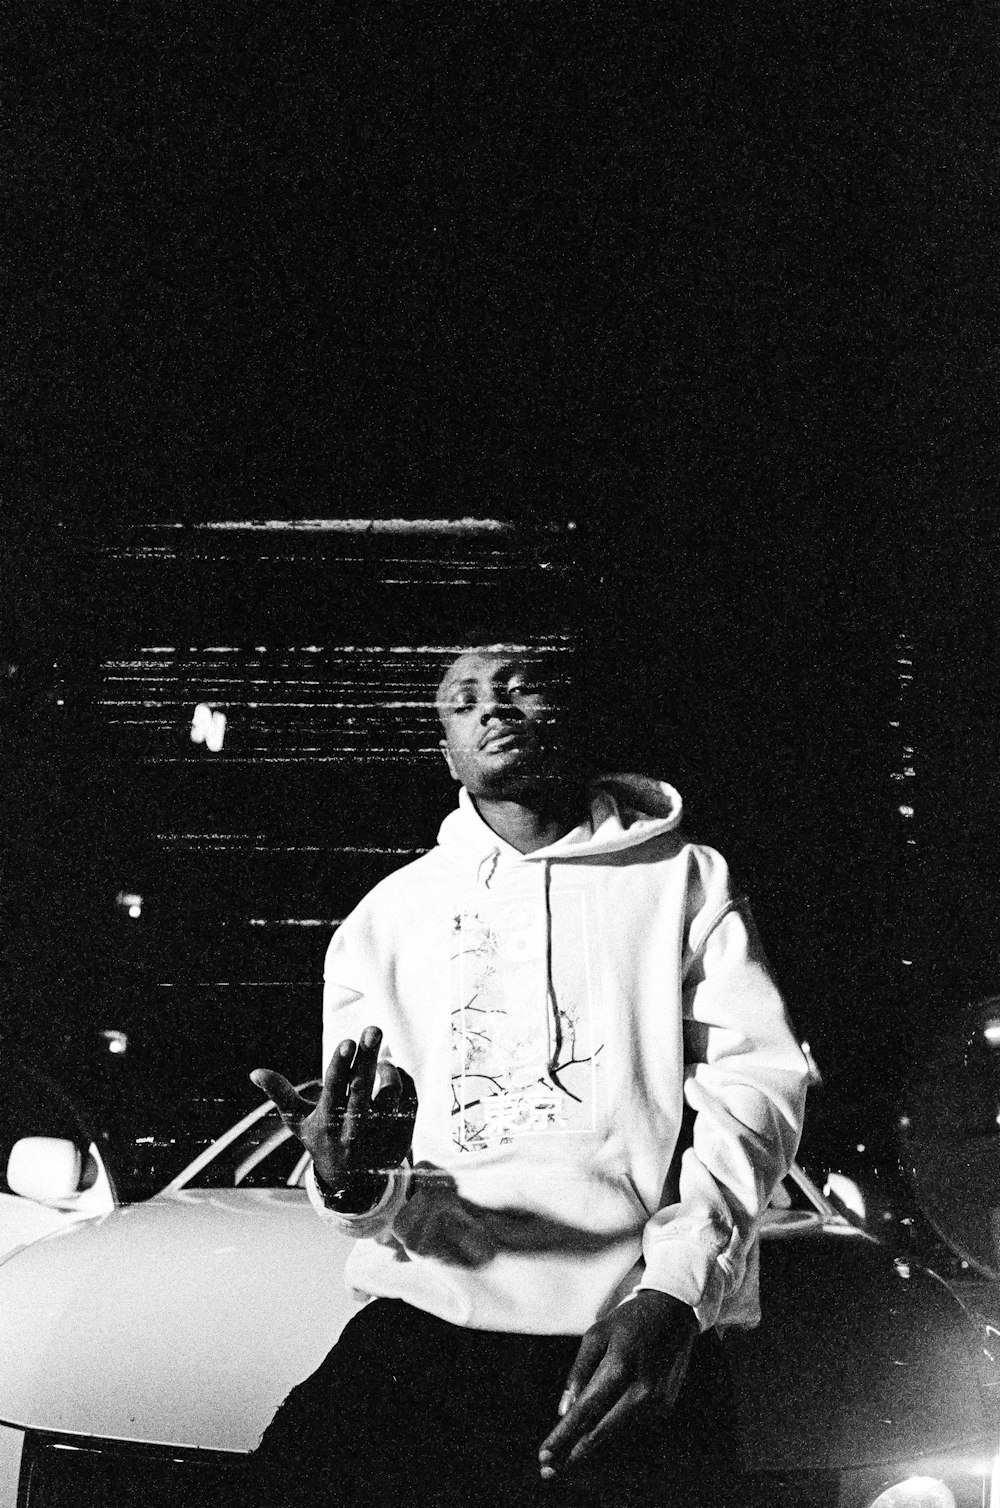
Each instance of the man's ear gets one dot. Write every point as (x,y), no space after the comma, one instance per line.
(443,746)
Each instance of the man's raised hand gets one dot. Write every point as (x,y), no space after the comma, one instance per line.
(354,1136)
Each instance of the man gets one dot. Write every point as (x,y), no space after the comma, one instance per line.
(512,1025)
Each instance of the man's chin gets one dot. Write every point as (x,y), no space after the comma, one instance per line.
(520,780)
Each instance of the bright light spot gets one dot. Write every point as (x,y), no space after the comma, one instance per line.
(903,1268)
(906,811)
(208,727)
(908,962)
(860,1147)
(363,525)
(916,1492)
(991,1031)
(131,902)
(60,702)
(135,911)
(117,1042)
(838,1186)
(905,1124)
(893,725)
(815,1077)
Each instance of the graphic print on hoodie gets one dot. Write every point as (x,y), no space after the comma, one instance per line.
(526,1035)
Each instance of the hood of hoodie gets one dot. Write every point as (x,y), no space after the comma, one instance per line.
(625,811)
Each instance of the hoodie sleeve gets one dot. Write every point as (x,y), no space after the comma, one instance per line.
(350,1003)
(745,1079)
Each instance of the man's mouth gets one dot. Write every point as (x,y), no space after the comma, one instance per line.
(503,738)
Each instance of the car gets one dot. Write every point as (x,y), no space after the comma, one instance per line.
(146,1350)
(53,1172)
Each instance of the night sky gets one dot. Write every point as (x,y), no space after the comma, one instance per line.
(717,286)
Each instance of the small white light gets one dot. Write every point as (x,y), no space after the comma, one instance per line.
(906,811)
(135,911)
(208,727)
(117,1042)
(991,1031)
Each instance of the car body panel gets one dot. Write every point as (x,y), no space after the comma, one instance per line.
(859,1358)
(182,1321)
(11,1454)
(186,1320)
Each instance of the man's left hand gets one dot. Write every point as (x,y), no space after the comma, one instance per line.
(635,1357)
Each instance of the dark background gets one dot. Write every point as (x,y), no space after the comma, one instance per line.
(714,286)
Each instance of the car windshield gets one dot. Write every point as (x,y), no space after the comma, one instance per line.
(259,1152)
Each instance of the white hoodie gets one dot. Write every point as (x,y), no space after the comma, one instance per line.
(555,1009)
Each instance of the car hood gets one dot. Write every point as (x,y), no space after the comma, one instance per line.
(171,1319)
(186,1320)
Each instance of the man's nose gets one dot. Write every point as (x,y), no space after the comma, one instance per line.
(497,705)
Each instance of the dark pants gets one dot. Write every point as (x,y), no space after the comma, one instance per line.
(407,1409)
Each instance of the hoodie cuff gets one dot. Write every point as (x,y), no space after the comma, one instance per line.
(723,1292)
(706,1311)
(369,1222)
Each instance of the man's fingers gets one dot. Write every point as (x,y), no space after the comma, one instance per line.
(286,1099)
(359,1092)
(608,1425)
(337,1078)
(407,1106)
(605,1388)
(588,1359)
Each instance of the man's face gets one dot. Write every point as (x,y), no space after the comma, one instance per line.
(498,722)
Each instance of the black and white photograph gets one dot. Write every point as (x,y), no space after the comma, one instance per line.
(499,746)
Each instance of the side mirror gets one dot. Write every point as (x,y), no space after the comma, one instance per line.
(47,1169)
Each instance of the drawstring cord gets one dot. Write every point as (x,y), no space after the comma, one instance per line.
(553,1015)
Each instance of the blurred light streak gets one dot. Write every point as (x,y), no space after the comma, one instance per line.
(208,727)
(445,526)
